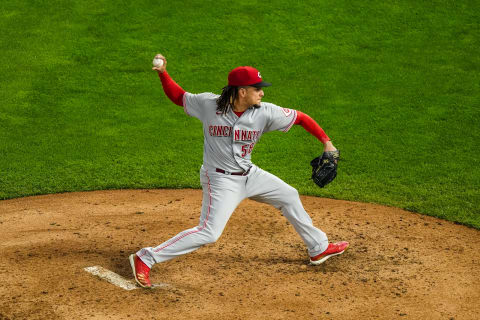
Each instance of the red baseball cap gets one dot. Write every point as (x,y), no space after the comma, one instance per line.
(246,76)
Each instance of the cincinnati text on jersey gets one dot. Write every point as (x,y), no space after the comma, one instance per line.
(240,135)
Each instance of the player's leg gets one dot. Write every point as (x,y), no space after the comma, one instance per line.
(264,187)
(221,195)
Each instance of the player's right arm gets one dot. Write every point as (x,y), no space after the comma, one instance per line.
(194,105)
(173,91)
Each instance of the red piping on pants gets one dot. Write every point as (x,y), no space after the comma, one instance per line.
(204,224)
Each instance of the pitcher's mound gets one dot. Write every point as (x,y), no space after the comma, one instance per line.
(399,264)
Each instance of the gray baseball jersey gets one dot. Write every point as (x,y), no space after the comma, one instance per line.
(229,139)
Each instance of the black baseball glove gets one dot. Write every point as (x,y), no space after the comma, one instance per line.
(324,168)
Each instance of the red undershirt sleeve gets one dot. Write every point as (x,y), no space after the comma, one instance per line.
(173,91)
(311,126)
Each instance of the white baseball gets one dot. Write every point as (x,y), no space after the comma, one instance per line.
(157,62)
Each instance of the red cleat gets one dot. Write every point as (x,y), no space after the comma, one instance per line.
(333,249)
(140,271)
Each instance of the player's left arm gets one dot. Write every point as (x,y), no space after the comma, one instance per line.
(315,130)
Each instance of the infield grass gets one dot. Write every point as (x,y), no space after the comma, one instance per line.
(394,84)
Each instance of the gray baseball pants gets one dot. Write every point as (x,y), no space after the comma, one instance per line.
(222,193)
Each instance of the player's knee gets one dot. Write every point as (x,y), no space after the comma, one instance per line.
(211,237)
(290,197)
(290,194)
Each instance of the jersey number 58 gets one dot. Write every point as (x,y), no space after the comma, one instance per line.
(247,149)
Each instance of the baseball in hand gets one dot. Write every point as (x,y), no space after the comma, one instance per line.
(157,62)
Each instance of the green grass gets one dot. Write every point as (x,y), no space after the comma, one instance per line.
(395,84)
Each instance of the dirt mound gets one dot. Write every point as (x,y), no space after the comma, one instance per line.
(399,265)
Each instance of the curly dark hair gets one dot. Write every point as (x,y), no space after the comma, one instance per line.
(227,98)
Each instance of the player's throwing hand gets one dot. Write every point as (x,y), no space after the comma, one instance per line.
(160,67)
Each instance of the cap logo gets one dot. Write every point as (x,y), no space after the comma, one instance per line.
(246,76)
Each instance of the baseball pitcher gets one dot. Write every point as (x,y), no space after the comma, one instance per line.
(233,123)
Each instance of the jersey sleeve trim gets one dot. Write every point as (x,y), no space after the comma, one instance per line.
(185,104)
(292,122)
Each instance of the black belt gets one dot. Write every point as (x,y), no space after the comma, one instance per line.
(233,173)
